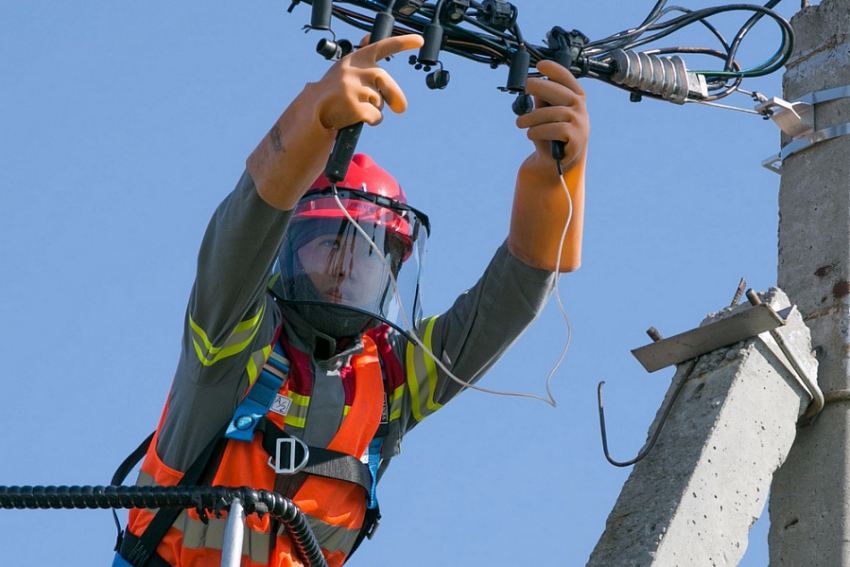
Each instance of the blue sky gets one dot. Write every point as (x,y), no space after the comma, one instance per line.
(122,126)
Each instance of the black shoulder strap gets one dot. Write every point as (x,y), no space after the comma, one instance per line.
(121,474)
(131,461)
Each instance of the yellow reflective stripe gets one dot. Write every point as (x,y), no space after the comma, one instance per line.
(396,400)
(429,369)
(297,415)
(273,280)
(255,363)
(250,323)
(210,535)
(255,545)
(295,421)
(299,400)
(236,342)
(332,538)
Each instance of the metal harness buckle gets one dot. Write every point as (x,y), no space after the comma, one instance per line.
(286,459)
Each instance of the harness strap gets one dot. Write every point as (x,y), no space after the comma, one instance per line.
(320,462)
(259,398)
(121,473)
(154,561)
(131,461)
(370,524)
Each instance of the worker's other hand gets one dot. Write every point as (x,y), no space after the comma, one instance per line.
(559,114)
(541,208)
(355,89)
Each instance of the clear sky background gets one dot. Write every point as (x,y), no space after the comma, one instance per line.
(123,125)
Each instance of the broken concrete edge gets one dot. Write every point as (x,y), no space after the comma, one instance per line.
(799,360)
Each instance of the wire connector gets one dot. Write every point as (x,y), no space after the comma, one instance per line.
(408,7)
(497,14)
(793,118)
(666,77)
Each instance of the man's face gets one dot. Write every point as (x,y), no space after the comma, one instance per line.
(345,269)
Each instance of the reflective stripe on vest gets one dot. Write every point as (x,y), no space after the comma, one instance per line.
(335,509)
(198,535)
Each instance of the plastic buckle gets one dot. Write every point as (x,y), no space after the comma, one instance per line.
(285,460)
(372,529)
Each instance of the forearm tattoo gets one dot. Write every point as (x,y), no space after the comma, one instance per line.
(277,144)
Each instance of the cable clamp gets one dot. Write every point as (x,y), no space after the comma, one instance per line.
(793,118)
(797,119)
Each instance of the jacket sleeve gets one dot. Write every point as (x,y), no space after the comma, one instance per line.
(474,333)
(229,322)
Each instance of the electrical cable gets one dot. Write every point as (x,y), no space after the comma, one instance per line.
(490,33)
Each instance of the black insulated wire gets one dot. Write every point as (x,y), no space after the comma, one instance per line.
(203,498)
(471,35)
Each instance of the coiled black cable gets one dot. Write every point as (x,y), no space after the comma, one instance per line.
(202,498)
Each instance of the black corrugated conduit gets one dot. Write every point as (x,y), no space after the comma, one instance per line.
(203,498)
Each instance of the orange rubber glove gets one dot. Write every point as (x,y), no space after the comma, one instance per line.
(540,207)
(294,152)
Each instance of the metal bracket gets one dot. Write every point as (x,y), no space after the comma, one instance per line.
(797,119)
(741,326)
(794,118)
(691,344)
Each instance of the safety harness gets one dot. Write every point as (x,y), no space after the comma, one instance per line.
(292,460)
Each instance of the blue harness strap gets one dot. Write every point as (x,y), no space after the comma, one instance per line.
(374,461)
(259,398)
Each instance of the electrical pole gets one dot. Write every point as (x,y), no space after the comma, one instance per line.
(810,495)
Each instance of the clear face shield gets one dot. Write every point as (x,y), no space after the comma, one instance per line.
(351,260)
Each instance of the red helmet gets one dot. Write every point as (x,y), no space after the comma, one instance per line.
(366,177)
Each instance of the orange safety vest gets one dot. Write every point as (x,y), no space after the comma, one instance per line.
(335,509)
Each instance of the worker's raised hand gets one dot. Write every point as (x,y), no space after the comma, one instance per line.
(355,89)
(541,208)
(559,114)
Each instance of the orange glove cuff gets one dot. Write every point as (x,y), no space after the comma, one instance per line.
(540,211)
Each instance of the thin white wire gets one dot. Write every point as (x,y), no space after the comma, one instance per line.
(550,400)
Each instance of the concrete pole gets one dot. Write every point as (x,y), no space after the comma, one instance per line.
(692,500)
(810,498)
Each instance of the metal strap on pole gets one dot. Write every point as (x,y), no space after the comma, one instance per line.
(797,119)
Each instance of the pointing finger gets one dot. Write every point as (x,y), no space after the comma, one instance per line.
(374,52)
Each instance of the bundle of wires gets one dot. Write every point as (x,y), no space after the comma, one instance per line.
(489,32)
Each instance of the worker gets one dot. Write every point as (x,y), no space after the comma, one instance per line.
(296,287)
